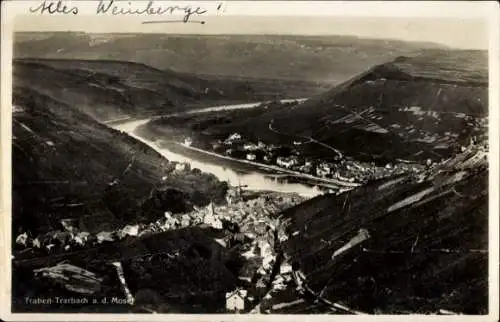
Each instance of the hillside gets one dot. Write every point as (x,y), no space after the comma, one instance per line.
(66,165)
(430,103)
(397,246)
(80,189)
(413,108)
(317,58)
(88,196)
(190,264)
(108,89)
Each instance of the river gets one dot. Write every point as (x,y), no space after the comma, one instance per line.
(253,180)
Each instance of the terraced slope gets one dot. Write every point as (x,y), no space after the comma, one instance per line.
(412,108)
(397,246)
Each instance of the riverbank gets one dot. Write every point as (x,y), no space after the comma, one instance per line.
(245,167)
(270,171)
(226,131)
(246,175)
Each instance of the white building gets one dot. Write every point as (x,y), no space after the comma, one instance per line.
(182,166)
(188,142)
(286,162)
(251,156)
(250,147)
(285,268)
(81,238)
(17,109)
(233,137)
(266,252)
(323,170)
(185,221)
(22,239)
(235,301)
(131,230)
(104,236)
(307,167)
(36,243)
(211,219)
(67,224)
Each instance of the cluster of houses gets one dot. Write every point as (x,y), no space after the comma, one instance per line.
(345,170)
(236,146)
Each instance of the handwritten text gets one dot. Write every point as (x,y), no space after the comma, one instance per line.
(52,7)
(125,8)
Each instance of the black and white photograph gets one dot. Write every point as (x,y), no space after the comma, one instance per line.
(201,158)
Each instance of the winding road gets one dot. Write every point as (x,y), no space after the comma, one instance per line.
(311,139)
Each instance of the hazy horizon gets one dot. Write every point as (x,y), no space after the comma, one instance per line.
(442,31)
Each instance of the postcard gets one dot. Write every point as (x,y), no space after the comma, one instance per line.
(249,160)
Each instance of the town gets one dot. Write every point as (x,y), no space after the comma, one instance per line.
(289,158)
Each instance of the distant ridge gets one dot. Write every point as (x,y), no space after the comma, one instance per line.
(318,58)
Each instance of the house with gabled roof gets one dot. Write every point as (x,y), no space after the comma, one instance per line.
(235,300)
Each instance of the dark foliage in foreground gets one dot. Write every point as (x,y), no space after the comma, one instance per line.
(179,271)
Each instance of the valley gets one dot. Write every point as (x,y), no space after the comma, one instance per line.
(361,188)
